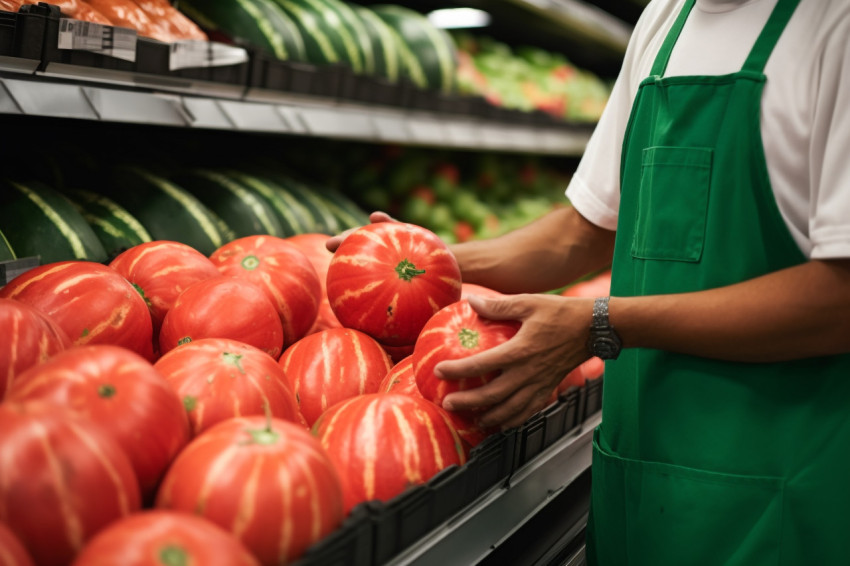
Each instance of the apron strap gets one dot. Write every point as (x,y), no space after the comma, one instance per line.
(663,56)
(766,41)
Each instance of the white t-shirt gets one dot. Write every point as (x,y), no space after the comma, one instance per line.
(805,113)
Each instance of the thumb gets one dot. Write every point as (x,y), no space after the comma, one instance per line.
(497,308)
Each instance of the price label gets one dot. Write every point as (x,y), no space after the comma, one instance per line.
(96,38)
(187,54)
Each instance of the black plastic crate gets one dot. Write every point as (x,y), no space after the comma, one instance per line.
(374,90)
(492,461)
(349,545)
(8,24)
(401,522)
(22,33)
(451,491)
(593,401)
(532,435)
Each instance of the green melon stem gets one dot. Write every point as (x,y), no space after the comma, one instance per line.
(468,338)
(407,271)
(234,360)
(173,556)
(265,436)
(250,262)
(142,293)
(106,391)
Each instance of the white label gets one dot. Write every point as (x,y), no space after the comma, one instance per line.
(187,54)
(96,38)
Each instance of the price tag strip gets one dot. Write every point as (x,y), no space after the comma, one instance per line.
(186,54)
(96,38)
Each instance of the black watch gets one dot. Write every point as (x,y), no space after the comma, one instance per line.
(603,342)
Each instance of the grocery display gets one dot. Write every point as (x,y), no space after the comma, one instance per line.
(190,171)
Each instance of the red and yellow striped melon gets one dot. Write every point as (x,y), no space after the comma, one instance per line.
(52,463)
(333,365)
(383,443)
(267,481)
(218,379)
(91,302)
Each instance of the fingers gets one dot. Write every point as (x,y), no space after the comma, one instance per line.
(507,405)
(375,218)
(481,363)
(502,308)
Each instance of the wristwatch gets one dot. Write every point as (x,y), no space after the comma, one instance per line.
(603,342)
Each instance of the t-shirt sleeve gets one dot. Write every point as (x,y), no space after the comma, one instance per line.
(829,218)
(594,189)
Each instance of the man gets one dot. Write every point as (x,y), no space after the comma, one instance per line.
(721,165)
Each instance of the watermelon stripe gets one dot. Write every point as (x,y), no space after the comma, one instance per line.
(348,42)
(275,197)
(287,533)
(410,458)
(216,468)
(387,41)
(370,449)
(411,64)
(125,217)
(246,197)
(67,232)
(247,500)
(191,206)
(447,65)
(74,530)
(7,246)
(361,35)
(97,451)
(265,27)
(314,29)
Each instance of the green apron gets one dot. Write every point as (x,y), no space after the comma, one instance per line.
(699,461)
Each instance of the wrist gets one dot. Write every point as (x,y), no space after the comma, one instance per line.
(603,342)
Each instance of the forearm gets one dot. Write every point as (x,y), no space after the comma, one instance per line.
(794,313)
(530,260)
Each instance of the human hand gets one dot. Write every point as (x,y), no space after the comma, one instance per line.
(551,341)
(375,218)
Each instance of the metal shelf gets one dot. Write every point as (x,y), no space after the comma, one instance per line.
(583,19)
(34,95)
(471,536)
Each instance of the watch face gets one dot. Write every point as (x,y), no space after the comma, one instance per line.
(606,348)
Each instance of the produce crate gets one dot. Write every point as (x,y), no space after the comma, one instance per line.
(349,545)
(21,35)
(377,531)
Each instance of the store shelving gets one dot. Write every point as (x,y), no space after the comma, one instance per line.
(542,465)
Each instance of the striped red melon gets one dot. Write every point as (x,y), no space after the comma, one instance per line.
(30,338)
(331,366)
(401,379)
(12,551)
(282,271)
(384,443)
(218,379)
(161,270)
(456,332)
(62,479)
(123,395)
(387,280)
(313,246)
(162,538)
(267,481)
(91,302)
(223,307)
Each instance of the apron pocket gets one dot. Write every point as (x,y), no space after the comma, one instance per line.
(649,513)
(672,203)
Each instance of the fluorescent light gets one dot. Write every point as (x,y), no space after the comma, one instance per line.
(454,18)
